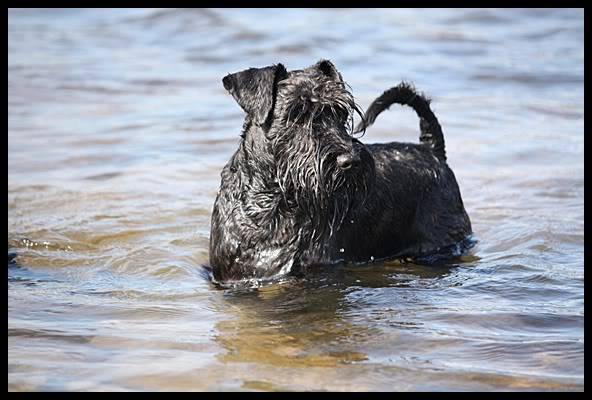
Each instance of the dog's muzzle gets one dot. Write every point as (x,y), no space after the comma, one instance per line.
(346,161)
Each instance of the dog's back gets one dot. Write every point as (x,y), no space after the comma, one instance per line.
(422,210)
(413,209)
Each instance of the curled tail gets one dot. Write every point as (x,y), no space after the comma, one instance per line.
(405,94)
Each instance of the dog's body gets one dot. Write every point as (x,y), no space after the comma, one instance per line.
(301,191)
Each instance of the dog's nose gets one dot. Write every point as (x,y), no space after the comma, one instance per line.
(346,160)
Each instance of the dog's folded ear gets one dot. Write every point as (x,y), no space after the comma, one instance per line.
(327,68)
(254,89)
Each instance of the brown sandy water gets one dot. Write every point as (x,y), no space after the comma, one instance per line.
(118,127)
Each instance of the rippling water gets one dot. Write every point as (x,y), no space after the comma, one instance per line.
(118,127)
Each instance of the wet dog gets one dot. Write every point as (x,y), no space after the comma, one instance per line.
(301,190)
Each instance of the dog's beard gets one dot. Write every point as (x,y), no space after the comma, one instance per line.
(314,187)
(316,125)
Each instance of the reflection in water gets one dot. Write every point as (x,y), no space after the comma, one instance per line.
(294,324)
(356,319)
(118,128)
(308,323)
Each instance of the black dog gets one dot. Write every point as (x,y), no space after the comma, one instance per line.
(301,191)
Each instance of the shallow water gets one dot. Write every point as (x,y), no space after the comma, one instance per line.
(118,127)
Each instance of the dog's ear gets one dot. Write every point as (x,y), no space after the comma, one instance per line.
(254,89)
(327,68)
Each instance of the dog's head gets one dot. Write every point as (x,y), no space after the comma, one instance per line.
(300,124)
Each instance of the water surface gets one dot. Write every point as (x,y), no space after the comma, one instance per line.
(118,127)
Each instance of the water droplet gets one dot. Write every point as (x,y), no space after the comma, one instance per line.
(351,222)
(371,258)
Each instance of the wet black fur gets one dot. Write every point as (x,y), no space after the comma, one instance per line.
(285,204)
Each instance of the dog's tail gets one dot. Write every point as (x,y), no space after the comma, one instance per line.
(405,94)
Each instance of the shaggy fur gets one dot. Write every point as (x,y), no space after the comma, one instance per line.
(302,191)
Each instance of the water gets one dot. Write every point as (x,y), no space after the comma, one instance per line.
(118,127)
